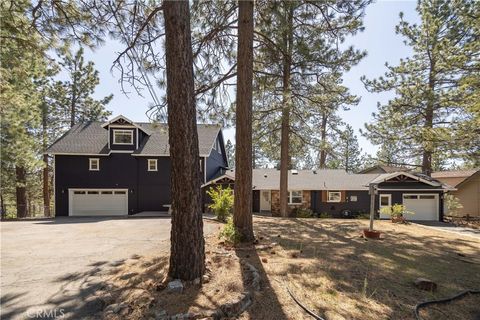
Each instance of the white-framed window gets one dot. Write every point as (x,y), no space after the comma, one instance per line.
(353,198)
(295,197)
(122,136)
(152,165)
(93,164)
(334,196)
(385,200)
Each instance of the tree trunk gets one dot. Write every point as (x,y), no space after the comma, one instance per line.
(21,191)
(187,253)
(285,127)
(46,190)
(323,141)
(429,113)
(2,207)
(243,154)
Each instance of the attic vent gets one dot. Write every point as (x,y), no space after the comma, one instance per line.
(294,172)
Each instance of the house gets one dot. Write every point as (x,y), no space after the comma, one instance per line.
(122,167)
(467,185)
(338,193)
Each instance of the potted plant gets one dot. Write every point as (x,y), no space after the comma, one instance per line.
(396,212)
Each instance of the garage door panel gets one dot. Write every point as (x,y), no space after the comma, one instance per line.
(425,207)
(98,202)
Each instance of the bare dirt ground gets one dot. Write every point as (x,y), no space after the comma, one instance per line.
(328,266)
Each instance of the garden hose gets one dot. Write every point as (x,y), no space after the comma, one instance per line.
(426,303)
(310,312)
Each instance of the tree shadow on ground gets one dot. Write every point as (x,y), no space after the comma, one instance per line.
(265,302)
(329,265)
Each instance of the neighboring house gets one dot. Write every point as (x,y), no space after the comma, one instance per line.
(467,185)
(123,167)
(335,191)
(385,169)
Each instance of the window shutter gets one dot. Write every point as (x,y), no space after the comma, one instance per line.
(343,196)
(324,195)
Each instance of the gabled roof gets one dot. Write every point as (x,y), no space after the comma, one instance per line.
(455,177)
(468,178)
(415,176)
(122,119)
(92,139)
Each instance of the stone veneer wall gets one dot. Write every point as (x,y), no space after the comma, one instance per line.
(306,202)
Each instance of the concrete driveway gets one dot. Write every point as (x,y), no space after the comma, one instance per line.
(449,227)
(48,267)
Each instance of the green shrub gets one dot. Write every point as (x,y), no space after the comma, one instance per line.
(395,211)
(324,215)
(303,213)
(230,233)
(222,205)
(363,215)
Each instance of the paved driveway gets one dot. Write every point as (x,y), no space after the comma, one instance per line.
(46,265)
(449,227)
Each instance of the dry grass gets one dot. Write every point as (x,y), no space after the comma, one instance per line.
(330,267)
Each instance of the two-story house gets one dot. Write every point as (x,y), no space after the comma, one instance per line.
(123,167)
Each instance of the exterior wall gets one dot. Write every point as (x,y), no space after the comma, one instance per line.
(147,190)
(468,194)
(215,161)
(306,202)
(334,209)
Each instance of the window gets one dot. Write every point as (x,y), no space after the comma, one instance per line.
(428,196)
(334,196)
(94,164)
(353,198)
(385,200)
(295,197)
(107,192)
(410,196)
(78,192)
(122,136)
(152,165)
(120,192)
(92,192)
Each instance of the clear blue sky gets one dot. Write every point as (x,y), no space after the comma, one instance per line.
(379,39)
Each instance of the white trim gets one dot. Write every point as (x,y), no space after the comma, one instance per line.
(130,132)
(156,164)
(108,139)
(81,154)
(220,178)
(90,160)
(121,126)
(121,151)
(334,201)
(108,123)
(160,155)
(290,197)
(136,146)
(426,190)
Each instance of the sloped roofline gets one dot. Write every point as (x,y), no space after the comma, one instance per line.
(387,176)
(468,178)
(120,116)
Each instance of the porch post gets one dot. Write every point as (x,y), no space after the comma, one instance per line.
(372,191)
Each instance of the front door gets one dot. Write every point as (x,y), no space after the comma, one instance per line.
(265,200)
(385,200)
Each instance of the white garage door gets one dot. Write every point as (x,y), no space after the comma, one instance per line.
(98,202)
(425,206)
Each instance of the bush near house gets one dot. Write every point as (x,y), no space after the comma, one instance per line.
(222,205)
(302,213)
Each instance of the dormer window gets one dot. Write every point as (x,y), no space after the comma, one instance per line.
(122,136)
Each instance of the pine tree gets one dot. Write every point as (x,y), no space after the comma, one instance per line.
(187,253)
(430,111)
(298,50)
(76,92)
(349,152)
(242,209)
